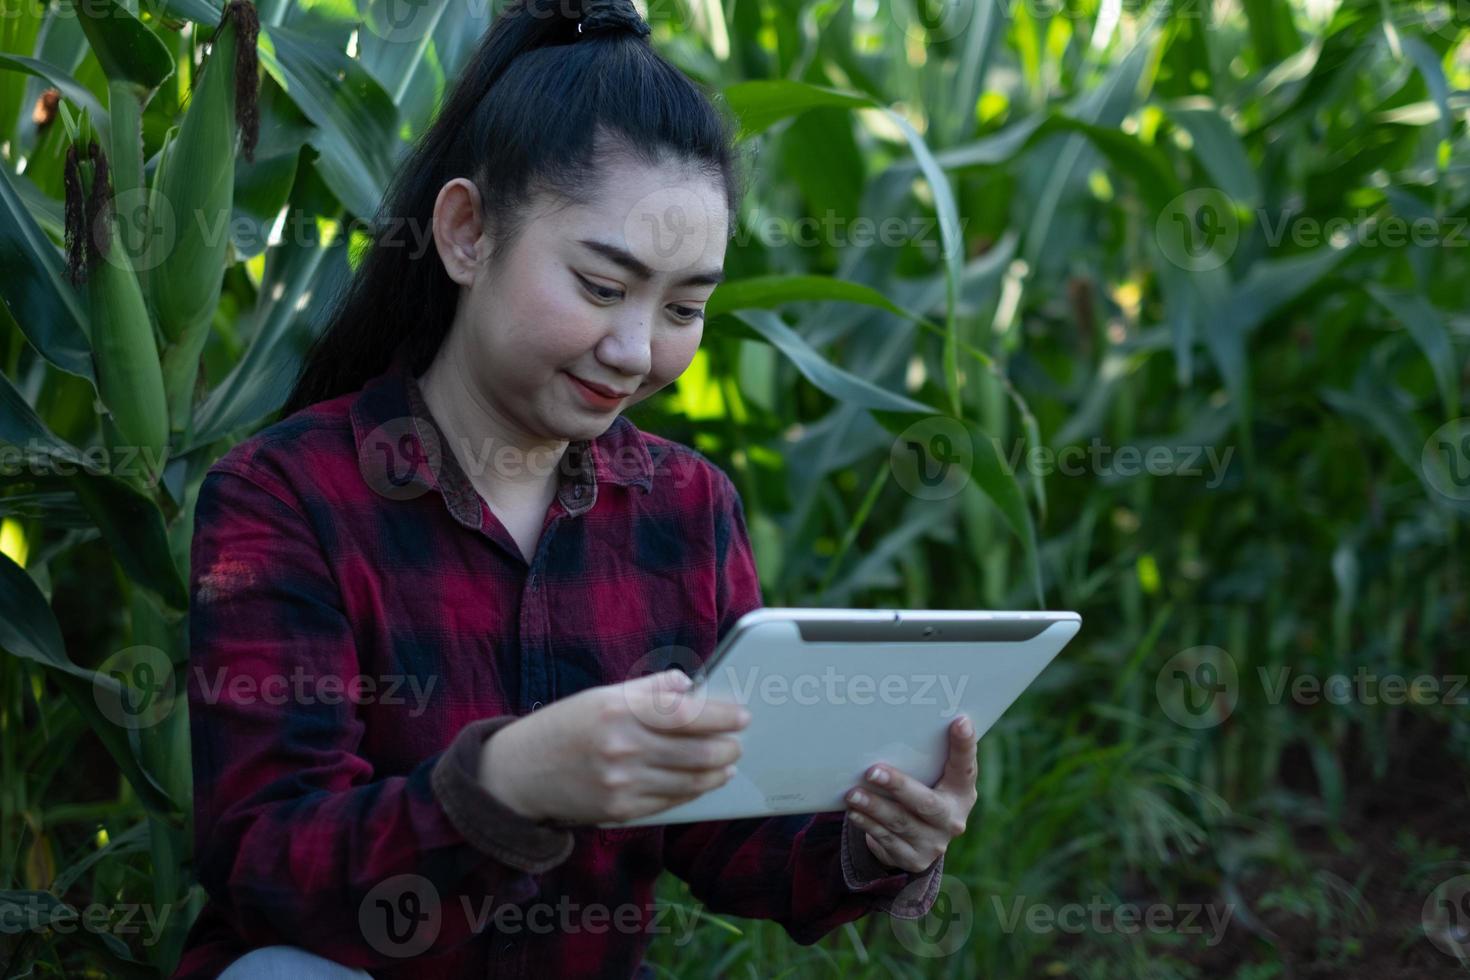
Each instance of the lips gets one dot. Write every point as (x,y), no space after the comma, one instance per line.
(602,389)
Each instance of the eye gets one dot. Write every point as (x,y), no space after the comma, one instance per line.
(687,314)
(603,293)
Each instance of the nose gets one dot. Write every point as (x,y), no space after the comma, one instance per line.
(627,348)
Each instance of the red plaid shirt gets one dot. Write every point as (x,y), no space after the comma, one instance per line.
(360,622)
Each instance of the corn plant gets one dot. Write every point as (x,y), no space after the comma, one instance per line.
(154,313)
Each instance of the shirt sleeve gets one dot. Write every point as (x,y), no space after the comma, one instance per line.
(296,839)
(808,872)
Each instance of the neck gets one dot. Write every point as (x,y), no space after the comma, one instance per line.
(502,460)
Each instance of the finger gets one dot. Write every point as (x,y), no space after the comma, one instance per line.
(960,768)
(656,693)
(900,853)
(929,805)
(670,680)
(688,712)
(691,752)
(681,783)
(888,812)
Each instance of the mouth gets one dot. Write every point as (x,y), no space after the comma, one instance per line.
(603,390)
(595,396)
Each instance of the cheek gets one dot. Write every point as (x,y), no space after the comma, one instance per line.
(674,352)
(536,323)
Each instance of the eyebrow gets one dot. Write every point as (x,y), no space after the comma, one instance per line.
(630,262)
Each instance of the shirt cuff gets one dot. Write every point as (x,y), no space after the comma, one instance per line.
(902,894)
(492,827)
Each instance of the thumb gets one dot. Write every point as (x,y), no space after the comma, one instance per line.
(960,767)
(672,679)
(658,685)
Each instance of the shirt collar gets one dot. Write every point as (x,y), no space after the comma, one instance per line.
(394,431)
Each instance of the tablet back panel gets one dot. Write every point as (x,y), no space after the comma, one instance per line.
(842,689)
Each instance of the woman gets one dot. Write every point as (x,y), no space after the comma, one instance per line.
(435,608)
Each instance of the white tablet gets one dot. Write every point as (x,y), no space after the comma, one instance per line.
(832,691)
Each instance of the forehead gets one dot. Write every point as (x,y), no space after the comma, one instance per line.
(671,217)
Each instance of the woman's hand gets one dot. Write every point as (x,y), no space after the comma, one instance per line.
(614,752)
(909,825)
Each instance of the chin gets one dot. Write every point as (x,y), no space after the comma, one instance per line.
(589,427)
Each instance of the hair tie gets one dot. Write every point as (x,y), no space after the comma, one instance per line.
(612,17)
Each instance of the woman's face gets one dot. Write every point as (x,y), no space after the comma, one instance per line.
(611,293)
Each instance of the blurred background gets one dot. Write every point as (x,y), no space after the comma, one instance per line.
(1154,311)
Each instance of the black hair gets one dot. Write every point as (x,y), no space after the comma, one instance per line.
(537,109)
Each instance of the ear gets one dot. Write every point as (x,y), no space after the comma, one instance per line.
(458,230)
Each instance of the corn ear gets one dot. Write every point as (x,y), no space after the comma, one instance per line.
(124,352)
(198,185)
